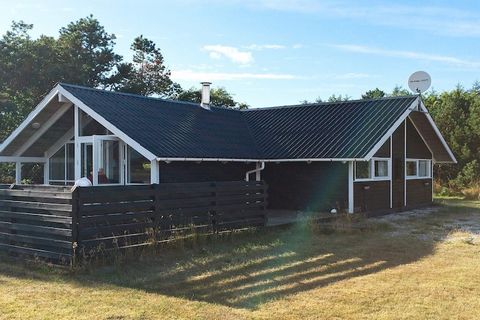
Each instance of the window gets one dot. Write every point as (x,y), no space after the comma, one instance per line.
(362,170)
(381,168)
(62,166)
(424,168)
(411,168)
(418,168)
(375,169)
(138,167)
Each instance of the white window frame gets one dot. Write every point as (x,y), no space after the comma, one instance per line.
(417,176)
(372,170)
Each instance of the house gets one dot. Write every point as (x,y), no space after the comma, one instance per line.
(364,155)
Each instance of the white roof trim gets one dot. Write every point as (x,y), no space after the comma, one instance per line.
(435,128)
(417,103)
(135,145)
(392,129)
(260,160)
(30,117)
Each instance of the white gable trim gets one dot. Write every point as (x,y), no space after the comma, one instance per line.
(439,135)
(397,123)
(135,145)
(417,105)
(30,117)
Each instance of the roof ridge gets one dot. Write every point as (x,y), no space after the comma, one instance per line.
(330,103)
(129,94)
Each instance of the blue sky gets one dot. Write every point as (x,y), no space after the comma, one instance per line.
(270,52)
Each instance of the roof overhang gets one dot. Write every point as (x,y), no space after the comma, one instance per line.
(65,96)
(428,130)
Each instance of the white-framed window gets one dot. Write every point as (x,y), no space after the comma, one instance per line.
(375,169)
(418,168)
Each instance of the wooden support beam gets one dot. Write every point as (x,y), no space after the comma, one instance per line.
(43,128)
(350,187)
(154,172)
(18,173)
(23,159)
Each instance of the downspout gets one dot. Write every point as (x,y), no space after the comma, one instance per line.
(260,167)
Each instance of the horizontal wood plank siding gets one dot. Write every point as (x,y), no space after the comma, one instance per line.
(419,192)
(318,186)
(371,196)
(203,172)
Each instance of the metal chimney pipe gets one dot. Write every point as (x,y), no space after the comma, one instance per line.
(206,94)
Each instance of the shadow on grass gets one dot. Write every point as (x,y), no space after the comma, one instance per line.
(249,269)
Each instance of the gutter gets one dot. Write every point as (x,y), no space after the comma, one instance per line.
(165,159)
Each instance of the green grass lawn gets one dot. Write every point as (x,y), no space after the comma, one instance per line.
(422,265)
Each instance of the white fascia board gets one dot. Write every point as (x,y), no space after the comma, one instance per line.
(392,129)
(132,143)
(435,128)
(30,117)
(262,160)
(23,159)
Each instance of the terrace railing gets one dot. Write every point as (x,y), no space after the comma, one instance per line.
(59,225)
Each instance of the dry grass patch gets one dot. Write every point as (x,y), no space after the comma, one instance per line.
(420,265)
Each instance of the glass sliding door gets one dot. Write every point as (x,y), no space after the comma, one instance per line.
(109,170)
(61,165)
(87,160)
(108,161)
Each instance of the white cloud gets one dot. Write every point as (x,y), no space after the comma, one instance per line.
(447,20)
(225,76)
(408,55)
(232,53)
(265,46)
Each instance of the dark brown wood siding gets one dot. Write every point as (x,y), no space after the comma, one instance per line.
(398,167)
(371,196)
(419,192)
(416,148)
(384,151)
(204,171)
(318,186)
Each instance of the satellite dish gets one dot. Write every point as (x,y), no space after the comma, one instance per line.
(419,81)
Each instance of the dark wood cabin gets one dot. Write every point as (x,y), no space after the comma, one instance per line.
(359,156)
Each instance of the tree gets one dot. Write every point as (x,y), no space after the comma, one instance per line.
(87,52)
(147,74)
(219,97)
(339,98)
(374,94)
(399,91)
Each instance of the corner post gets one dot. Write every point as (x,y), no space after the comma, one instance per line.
(154,172)
(18,172)
(77,151)
(46,170)
(75,225)
(350,187)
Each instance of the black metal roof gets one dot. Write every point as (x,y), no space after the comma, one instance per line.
(175,129)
